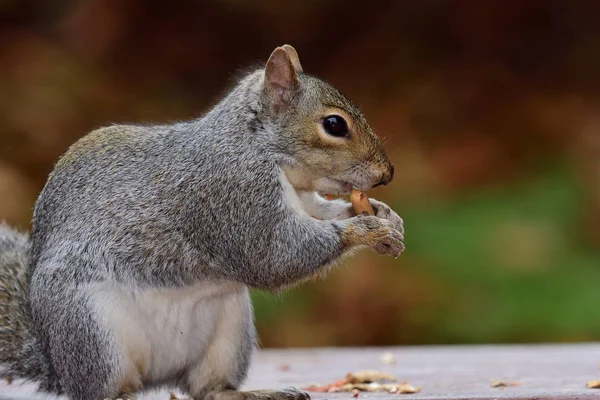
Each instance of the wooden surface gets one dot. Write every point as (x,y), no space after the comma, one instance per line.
(545,372)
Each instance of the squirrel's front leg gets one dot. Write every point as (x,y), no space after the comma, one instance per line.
(299,247)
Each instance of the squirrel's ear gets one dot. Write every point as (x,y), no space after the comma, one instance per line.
(293,54)
(280,76)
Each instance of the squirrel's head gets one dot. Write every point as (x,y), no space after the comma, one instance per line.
(332,146)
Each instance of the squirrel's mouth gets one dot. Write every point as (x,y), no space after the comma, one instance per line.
(336,186)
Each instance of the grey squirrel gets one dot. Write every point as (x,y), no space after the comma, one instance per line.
(147,238)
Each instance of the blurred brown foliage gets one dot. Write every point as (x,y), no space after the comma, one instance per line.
(466,93)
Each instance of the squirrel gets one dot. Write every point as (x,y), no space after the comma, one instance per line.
(146,239)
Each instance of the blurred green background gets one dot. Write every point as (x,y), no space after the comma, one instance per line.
(490,111)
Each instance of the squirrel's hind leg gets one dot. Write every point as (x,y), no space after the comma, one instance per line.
(82,354)
(225,363)
(224,366)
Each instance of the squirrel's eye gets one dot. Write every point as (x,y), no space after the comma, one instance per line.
(335,126)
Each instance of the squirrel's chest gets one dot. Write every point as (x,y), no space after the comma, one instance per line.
(160,332)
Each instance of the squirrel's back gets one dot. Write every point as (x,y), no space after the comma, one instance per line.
(155,190)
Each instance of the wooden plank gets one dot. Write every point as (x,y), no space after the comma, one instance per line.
(549,372)
(453,372)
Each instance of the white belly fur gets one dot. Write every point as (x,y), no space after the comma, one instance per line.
(161,332)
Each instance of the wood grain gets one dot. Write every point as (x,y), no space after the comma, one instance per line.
(549,372)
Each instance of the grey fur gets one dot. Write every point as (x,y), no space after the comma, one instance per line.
(20,350)
(167,207)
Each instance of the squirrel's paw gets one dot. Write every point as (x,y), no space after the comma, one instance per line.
(391,242)
(384,211)
(376,233)
(290,393)
(122,397)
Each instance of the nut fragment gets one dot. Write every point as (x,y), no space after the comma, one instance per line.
(402,388)
(387,359)
(503,384)
(365,381)
(405,388)
(283,367)
(360,203)
(368,376)
(594,384)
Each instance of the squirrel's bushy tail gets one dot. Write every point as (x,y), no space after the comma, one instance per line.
(21,355)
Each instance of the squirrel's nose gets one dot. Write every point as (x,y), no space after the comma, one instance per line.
(386,177)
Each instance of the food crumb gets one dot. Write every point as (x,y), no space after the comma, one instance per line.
(387,359)
(594,384)
(365,381)
(503,384)
(368,377)
(283,367)
(405,388)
